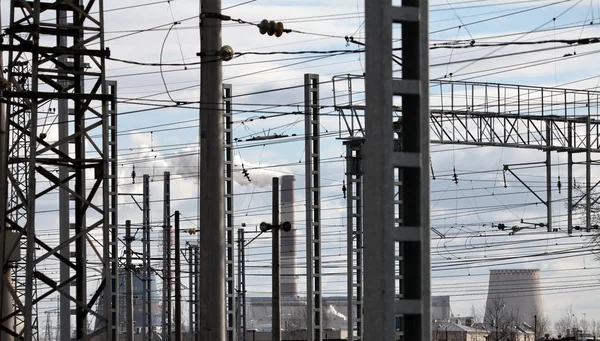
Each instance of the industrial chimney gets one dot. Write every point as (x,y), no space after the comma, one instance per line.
(512,293)
(289,271)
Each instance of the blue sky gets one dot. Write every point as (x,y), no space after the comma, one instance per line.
(150,139)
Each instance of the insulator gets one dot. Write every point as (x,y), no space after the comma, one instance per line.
(286,226)
(272,28)
(226,53)
(344,189)
(263,27)
(279,29)
(133,174)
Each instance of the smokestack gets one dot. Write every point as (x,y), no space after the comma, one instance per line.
(515,292)
(287,252)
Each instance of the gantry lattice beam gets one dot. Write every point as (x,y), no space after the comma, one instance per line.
(490,114)
(39,72)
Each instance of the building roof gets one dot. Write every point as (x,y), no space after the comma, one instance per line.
(454,327)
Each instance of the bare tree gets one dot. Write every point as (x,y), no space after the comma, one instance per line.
(595,329)
(499,320)
(477,314)
(566,324)
(543,327)
(584,325)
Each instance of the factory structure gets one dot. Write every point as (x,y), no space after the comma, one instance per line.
(514,292)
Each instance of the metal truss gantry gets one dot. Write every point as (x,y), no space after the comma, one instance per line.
(230,306)
(38,72)
(313,208)
(504,115)
(396,230)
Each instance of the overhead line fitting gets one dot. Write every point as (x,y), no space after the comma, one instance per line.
(269,27)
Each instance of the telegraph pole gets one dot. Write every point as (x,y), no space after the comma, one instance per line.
(129,282)
(212,236)
(177,280)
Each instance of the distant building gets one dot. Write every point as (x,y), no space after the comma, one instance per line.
(449,331)
(138,279)
(440,308)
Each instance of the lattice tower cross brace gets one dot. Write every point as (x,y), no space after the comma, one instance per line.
(313,207)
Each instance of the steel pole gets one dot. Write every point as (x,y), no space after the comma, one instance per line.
(177,280)
(6,303)
(129,282)
(240,311)
(588,170)
(549,176)
(64,317)
(243,271)
(166,294)
(147,330)
(212,236)
(570,181)
(276,279)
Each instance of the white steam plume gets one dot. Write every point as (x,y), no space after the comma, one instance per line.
(333,311)
(186,163)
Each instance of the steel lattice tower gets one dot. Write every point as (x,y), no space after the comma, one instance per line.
(38,71)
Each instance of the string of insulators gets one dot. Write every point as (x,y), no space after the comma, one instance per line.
(271,28)
(344,188)
(559,184)
(133,175)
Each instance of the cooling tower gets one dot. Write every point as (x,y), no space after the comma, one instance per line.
(287,251)
(514,293)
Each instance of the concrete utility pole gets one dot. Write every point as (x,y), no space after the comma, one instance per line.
(275,226)
(212,236)
(129,282)
(177,280)
(276,279)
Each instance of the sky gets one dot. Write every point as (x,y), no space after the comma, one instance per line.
(160,139)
